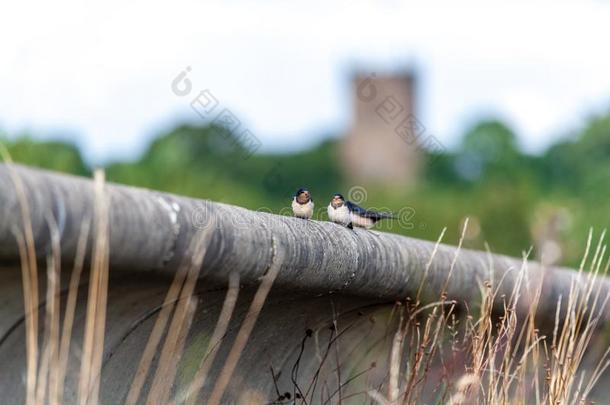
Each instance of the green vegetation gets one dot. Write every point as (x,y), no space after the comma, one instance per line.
(52,155)
(512,198)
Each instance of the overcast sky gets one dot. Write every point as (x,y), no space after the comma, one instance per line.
(100,73)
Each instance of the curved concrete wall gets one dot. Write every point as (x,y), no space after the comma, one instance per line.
(328,274)
(282,329)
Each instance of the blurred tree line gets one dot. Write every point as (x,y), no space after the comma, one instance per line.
(514,200)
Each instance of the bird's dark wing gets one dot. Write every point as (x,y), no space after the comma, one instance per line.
(374,215)
(355,208)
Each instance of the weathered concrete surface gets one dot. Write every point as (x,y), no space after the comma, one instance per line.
(327,270)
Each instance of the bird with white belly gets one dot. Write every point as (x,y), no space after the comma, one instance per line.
(302,204)
(344,212)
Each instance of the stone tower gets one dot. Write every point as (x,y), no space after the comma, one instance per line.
(383,143)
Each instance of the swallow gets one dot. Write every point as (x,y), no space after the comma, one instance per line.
(338,211)
(302,204)
(349,214)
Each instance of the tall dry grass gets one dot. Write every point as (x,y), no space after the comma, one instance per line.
(508,361)
(93,341)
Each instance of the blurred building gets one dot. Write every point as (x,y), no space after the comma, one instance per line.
(383,143)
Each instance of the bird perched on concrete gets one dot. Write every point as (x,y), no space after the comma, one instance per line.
(338,211)
(302,204)
(350,214)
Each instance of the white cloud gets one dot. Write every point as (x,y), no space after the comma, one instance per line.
(103,70)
